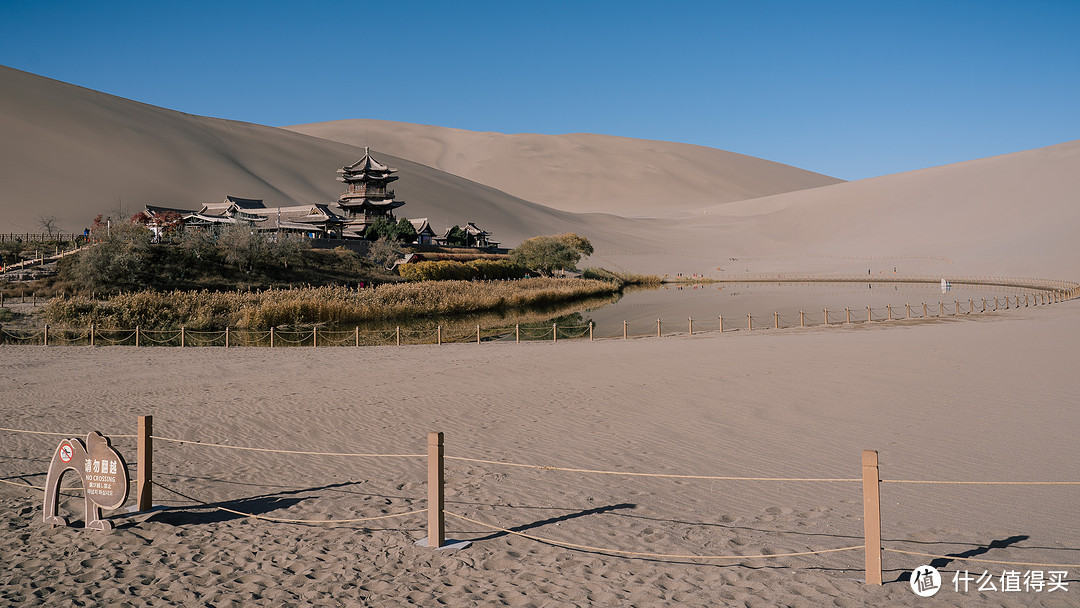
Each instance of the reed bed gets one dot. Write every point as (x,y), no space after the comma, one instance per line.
(329,306)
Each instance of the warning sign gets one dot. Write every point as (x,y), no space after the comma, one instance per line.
(104,477)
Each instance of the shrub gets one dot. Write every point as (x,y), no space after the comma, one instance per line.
(621,278)
(547,254)
(121,260)
(443,270)
(326,305)
(496,269)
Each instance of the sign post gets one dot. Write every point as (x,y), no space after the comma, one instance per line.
(103,473)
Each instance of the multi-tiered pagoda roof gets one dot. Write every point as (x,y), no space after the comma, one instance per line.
(366,193)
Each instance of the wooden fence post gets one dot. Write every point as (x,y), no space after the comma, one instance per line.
(924,312)
(847,317)
(182,329)
(314,337)
(136,335)
(226,336)
(749,322)
(826,316)
(888,308)
(871,480)
(517,333)
(802,321)
(46,334)
(908,307)
(91,334)
(776,320)
(658,328)
(438,334)
(624,330)
(436,518)
(554,332)
(144,485)
(721,318)
(397,334)
(271,336)
(477,334)
(590,331)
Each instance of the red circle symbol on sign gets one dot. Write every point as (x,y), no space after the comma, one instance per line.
(65,453)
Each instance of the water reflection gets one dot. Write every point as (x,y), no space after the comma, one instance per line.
(786,303)
(705,303)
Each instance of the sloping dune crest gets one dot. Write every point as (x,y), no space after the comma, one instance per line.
(580,172)
(1013,214)
(72,153)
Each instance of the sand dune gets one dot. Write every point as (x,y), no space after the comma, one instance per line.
(73,153)
(1013,214)
(580,172)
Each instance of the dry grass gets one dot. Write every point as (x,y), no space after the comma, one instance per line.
(330,306)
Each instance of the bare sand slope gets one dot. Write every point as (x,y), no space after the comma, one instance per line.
(1009,215)
(970,399)
(1013,214)
(580,172)
(72,152)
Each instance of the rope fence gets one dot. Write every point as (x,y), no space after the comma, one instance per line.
(285,520)
(436,512)
(560,543)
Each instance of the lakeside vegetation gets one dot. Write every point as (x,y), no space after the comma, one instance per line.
(333,306)
(244,279)
(623,279)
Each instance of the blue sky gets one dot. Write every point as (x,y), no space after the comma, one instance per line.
(850,89)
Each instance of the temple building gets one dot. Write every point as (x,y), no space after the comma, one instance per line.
(367,197)
(313,221)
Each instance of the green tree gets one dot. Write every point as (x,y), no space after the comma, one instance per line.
(403,231)
(548,254)
(457,237)
(379,229)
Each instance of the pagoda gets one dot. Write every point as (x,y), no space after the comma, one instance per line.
(366,196)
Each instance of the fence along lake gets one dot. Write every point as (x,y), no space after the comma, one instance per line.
(675,303)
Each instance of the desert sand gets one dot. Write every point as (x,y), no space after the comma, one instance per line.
(580,172)
(981,398)
(1006,215)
